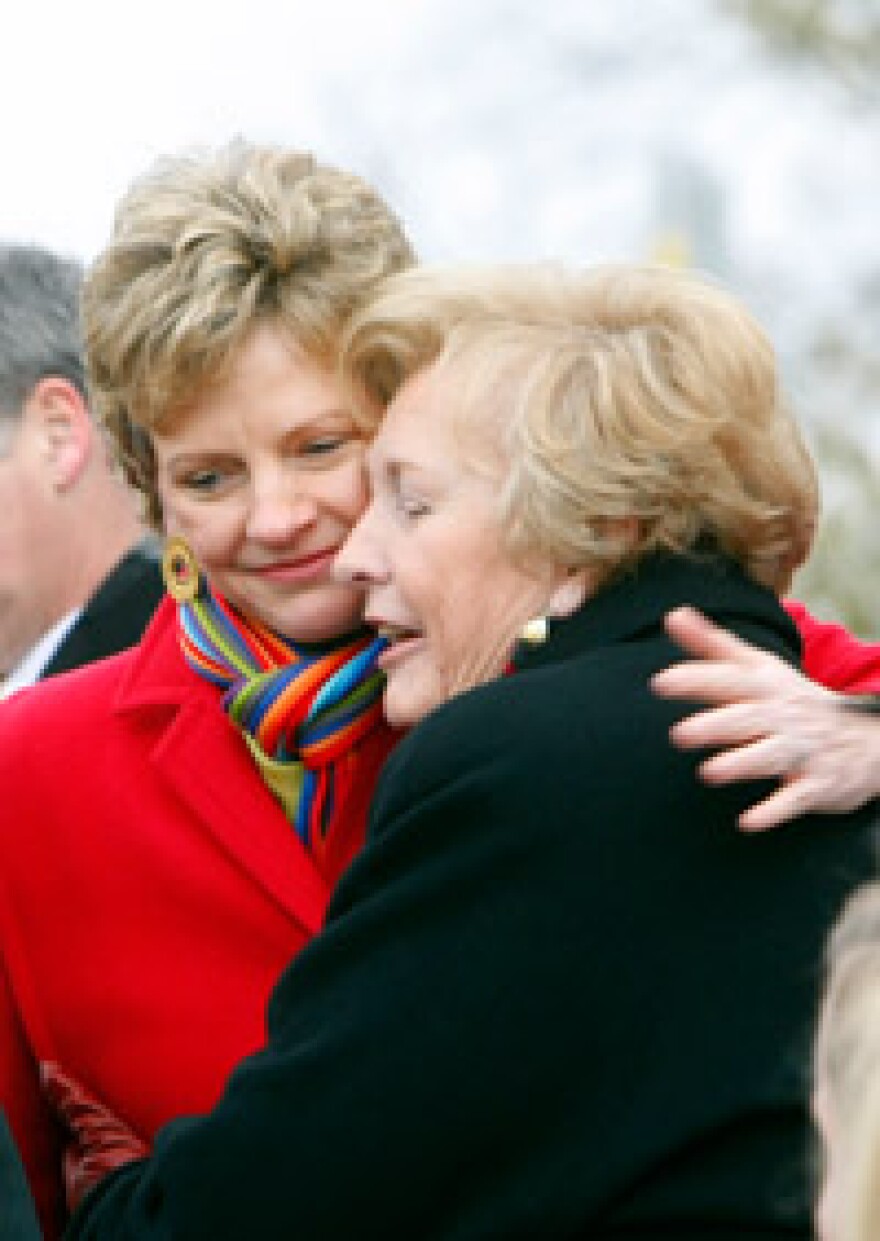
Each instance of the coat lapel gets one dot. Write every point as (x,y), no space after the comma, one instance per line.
(198,753)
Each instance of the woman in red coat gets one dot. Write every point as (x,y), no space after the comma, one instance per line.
(174,819)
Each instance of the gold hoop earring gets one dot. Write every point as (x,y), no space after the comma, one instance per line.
(180,570)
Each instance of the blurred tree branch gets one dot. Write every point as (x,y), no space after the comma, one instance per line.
(841,35)
(841,579)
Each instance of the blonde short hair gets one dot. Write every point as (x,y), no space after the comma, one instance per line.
(621,393)
(203,247)
(847,1059)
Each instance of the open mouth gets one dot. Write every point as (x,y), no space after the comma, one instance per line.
(400,638)
(397,633)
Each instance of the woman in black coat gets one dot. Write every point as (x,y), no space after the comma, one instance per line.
(559,994)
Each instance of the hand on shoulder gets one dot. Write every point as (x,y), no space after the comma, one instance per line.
(765,719)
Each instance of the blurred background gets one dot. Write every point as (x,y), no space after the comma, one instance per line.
(738,136)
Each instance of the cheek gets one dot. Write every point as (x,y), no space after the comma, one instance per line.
(210,533)
(481,607)
(348,494)
(11,536)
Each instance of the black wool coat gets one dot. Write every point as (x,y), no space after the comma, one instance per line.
(559,994)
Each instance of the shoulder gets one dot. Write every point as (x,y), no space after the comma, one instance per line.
(122,605)
(56,696)
(585,727)
(76,703)
(68,713)
(538,727)
(137,570)
(55,724)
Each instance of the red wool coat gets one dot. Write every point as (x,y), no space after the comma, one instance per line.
(151,892)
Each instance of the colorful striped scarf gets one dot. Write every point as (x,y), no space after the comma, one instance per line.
(302,709)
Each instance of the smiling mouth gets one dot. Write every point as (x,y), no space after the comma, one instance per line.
(304,567)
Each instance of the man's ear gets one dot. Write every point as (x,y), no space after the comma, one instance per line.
(64,426)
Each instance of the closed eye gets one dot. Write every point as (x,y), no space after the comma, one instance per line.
(412,508)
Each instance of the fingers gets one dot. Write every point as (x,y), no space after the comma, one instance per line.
(700,681)
(97,1141)
(788,802)
(734,724)
(699,636)
(764,719)
(725,669)
(61,1090)
(762,759)
(77,1178)
(738,724)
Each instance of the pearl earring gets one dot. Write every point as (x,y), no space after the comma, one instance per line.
(534,631)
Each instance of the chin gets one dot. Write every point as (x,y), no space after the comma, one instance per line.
(317,631)
(404,709)
(313,621)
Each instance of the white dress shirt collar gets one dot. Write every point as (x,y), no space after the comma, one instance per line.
(31,668)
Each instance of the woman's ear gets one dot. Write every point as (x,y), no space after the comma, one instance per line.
(571,593)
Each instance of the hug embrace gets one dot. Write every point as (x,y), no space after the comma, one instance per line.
(556,991)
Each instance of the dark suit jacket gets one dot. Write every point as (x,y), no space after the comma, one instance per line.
(18,1220)
(115,616)
(559,994)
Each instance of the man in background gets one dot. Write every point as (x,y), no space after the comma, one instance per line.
(78,578)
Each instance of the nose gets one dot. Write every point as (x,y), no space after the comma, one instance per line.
(279,510)
(360,560)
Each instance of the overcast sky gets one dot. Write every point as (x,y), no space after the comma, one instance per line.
(577,129)
(583,130)
(500,128)
(91,90)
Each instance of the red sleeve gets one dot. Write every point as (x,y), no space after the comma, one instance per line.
(833,657)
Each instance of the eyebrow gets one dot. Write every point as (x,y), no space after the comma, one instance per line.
(334,415)
(198,456)
(392,467)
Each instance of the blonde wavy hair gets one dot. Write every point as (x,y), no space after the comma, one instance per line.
(204,246)
(622,398)
(847,1061)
